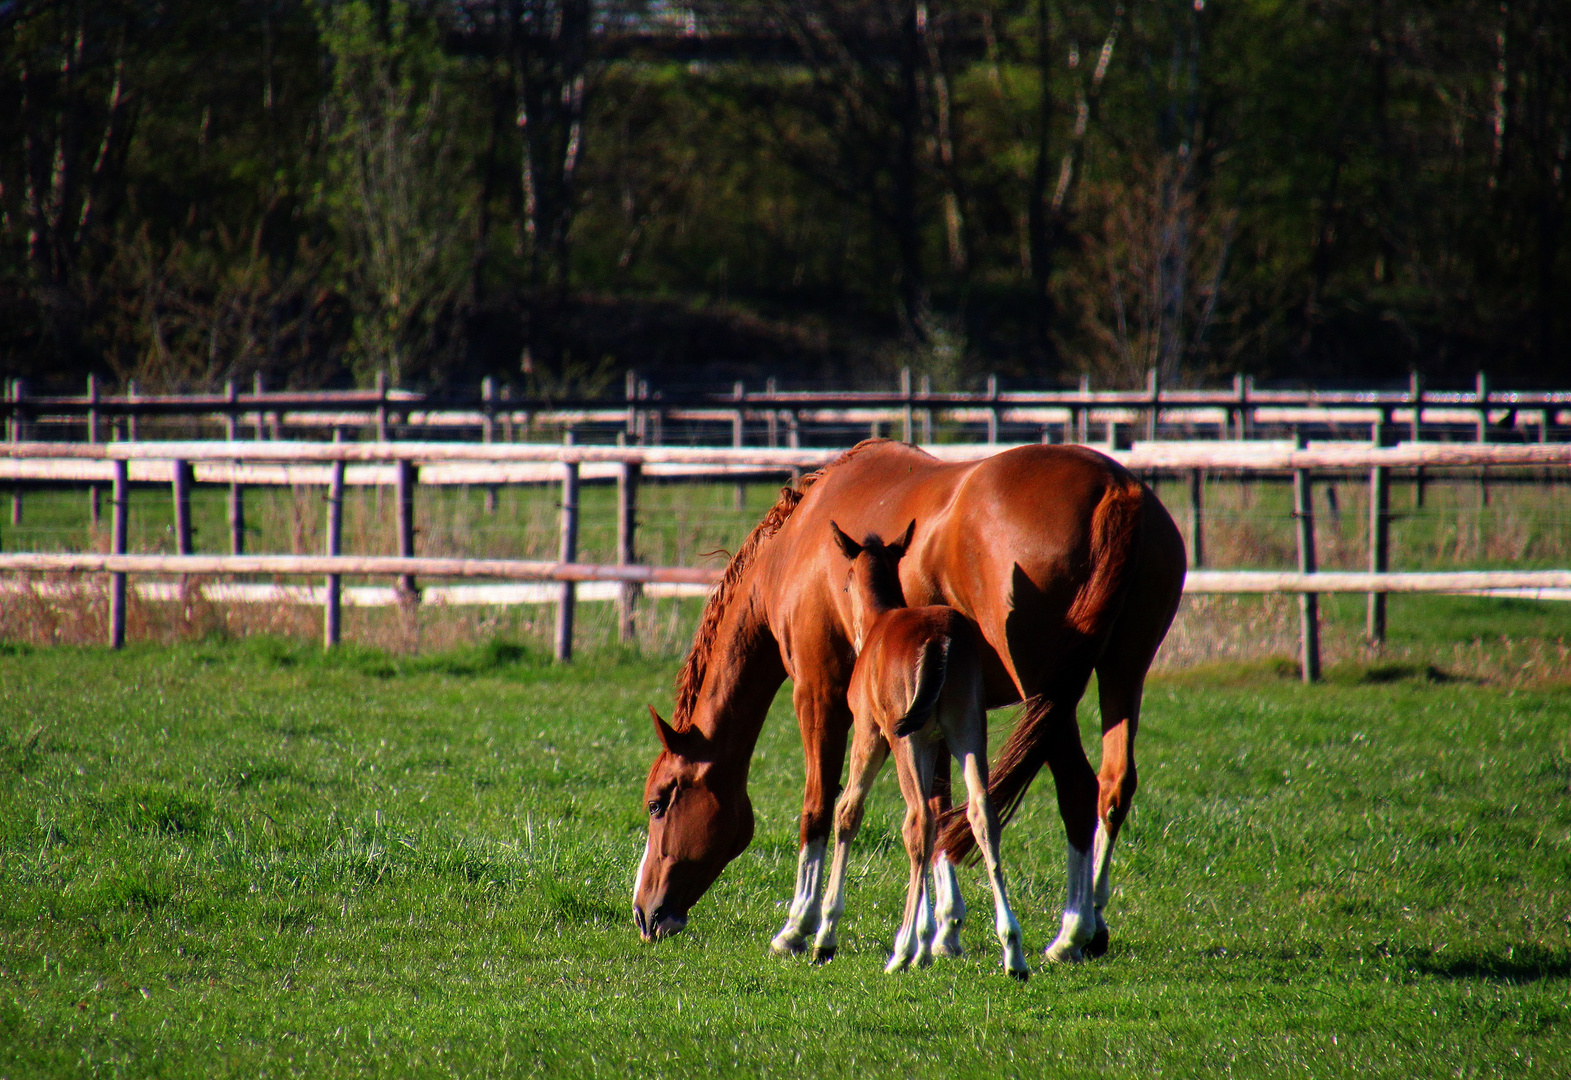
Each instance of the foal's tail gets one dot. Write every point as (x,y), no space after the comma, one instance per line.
(931,668)
(1115,529)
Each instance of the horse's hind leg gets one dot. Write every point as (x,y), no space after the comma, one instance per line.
(1077,794)
(868,751)
(914,942)
(985,827)
(1119,694)
(948,905)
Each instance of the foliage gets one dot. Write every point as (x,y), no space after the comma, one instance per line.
(394,187)
(194,192)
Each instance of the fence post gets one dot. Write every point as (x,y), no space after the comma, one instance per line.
(257,388)
(16,436)
(567,554)
(236,492)
(1308,603)
(631,427)
(117,545)
(1153,392)
(1197,556)
(927,413)
(992,412)
(181,485)
(1379,547)
(906,432)
(408,592)
(94,491)
(738,423)
(1415,394)
(1083,413)
(488,432)
(332,612)
(1481,395)
(626,551)
(381,406)
(92,408)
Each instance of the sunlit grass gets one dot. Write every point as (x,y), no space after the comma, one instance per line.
(250,858)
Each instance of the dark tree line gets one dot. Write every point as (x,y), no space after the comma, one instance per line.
(552,190)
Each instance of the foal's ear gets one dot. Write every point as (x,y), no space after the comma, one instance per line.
(664,732)
(902,545)
(848,546)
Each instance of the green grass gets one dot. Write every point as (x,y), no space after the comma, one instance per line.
(252,859)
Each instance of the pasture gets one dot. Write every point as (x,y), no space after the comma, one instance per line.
(248,858)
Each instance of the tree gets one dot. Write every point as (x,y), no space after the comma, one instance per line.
(394,188)
(74,102)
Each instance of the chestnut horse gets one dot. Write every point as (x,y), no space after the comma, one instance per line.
(1064,561)
(916,693)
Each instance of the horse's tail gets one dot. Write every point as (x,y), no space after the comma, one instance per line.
(1115,528)
(931,668)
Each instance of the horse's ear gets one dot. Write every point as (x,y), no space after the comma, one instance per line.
(848,546)
(902,545)
(664,731)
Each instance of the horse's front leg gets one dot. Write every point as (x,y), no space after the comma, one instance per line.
(868,751)
(824,720)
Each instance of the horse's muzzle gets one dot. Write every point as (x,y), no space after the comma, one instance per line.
(653,926)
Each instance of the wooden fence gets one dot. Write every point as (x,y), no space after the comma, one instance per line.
(403,465)
(789,418)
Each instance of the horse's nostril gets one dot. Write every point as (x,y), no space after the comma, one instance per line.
(639,920)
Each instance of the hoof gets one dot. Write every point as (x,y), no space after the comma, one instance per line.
(948,944)
(1097,946)
(823,955)
(1021,975)
(1057,953)
(788,943)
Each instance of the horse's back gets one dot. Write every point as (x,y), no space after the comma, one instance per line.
(1014,541)
(899,655)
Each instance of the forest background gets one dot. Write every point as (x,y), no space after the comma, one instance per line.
(552,191)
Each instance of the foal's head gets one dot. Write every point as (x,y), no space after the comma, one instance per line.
(874,577)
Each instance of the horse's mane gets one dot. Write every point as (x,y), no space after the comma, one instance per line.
(691,678)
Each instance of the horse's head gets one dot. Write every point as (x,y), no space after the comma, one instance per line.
(698,822)
(873,579)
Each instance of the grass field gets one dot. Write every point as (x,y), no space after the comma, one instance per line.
(247,859)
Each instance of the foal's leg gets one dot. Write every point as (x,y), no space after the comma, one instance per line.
(868,751)
(971,748)
(914,943)
(948,905)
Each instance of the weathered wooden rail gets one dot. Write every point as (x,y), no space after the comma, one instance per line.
(784,417)
(403,465)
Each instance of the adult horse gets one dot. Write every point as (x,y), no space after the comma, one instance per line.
(1067,564)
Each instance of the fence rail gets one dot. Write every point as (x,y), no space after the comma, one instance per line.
(1275,456)
(404,465)
(784,415)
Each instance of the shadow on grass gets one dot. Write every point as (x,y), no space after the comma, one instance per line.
(1282,669)
(1515,964)
(1356,674)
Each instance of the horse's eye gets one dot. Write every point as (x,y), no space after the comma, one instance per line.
(656,807)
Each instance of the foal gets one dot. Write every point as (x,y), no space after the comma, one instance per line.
(916,686)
